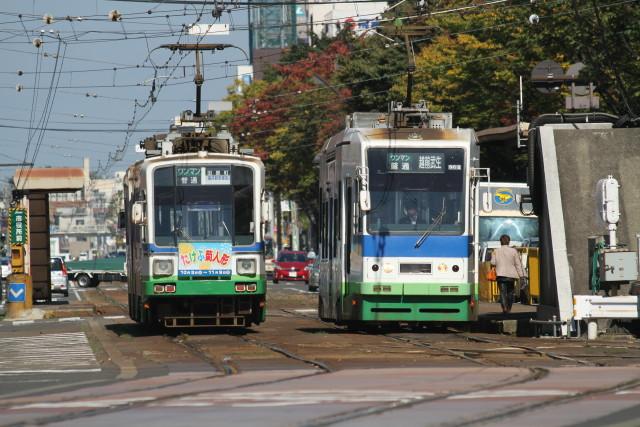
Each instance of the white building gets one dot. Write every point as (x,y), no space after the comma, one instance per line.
(327,19)
(86,221)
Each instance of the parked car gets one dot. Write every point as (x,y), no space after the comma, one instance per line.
(5,266)
(59,279)
(314,275)
(290,265)
(269,266)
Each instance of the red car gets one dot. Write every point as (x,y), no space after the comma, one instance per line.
(290,265)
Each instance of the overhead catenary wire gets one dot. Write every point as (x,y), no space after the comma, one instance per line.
(317,89)
(118,155)
(44,118)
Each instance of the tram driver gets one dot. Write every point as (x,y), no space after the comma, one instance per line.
(411,214)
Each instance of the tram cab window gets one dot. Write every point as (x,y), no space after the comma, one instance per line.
(213,203)
(413,189)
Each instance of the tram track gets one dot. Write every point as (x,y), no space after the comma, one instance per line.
(534,374)
(74,415)
(417,342)
(467,355)
(225,366)
(444,350)
(549,354)
(290,355)
(527,407)
(113,301)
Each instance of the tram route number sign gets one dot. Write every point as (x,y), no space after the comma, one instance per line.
(196,175)
(415,162)
(18,226)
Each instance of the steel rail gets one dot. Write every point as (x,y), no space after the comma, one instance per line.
(519,409)
(534,374)
(320,365)
(444,350)
(440,350)
(549,354)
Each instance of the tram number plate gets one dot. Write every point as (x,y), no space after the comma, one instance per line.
(293,274)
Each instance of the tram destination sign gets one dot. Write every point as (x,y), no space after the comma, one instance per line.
(199,175)
(18,226)
(415,162)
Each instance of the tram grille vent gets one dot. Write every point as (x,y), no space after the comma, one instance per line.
(424,268)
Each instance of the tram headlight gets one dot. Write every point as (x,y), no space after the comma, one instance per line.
(162,267)
(246,266)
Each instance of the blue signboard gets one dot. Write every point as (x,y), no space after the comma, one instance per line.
(16,292)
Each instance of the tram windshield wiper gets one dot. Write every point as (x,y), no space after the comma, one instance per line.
(436,222)
(224,224)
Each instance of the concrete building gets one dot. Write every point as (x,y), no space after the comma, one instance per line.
(274,28)
(84,223)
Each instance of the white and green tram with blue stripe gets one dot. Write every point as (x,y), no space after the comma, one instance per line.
(399,215)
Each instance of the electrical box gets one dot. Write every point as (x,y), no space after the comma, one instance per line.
(618,266)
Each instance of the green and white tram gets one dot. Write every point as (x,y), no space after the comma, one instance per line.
(399,220)
(194,236)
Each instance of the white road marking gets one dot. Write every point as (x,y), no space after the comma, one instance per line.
(623,392)
(114,317)
(507,393)
(47,353)
(75,292)
(48,371)
(22,322)
(69,319)
(293,398)
(302,291)
(99,403)
(306,310)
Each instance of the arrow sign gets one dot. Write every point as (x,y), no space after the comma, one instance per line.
(16,292)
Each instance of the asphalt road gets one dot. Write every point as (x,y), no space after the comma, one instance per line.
(104,370)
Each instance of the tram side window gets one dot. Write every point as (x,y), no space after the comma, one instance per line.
(357,211)
(348,221)
(336,228)
(164,209)
(242,179)
(325,226)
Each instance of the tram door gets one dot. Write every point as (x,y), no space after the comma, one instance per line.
(332,243)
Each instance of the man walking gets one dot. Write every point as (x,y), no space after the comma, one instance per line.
(508,269)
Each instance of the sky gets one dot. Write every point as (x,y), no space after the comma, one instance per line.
(88,106)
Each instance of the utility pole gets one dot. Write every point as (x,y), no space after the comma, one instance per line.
(199,77)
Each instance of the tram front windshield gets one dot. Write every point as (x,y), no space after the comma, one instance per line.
(203,203)
(415,189)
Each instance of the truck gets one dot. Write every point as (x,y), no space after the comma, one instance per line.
(92,272)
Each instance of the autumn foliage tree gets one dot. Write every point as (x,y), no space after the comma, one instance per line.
(288,118)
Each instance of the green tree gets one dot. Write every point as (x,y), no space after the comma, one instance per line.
(371,69)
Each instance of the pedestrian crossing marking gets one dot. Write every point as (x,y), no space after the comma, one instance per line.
(48,353)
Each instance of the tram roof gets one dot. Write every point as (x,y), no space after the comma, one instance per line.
(195,156)
(409,134)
